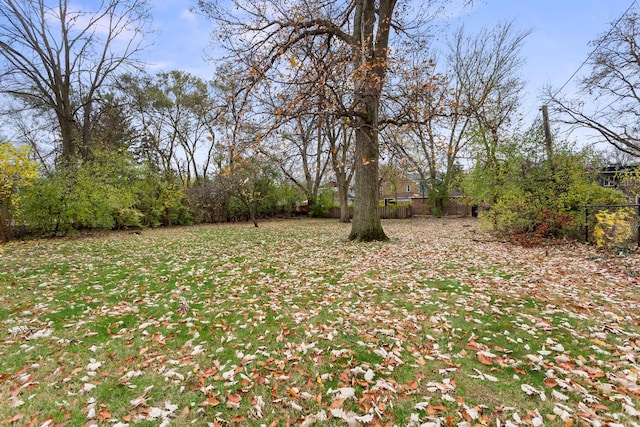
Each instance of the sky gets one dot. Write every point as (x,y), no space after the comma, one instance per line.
(557,46)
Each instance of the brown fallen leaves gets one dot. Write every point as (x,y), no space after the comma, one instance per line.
(292,325)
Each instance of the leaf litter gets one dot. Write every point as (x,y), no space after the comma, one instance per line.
(290,324)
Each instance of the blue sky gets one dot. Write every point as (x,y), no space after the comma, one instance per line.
(557,46)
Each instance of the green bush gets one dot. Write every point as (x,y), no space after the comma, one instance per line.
(325,201)
(73,199)
(533,195)
(129,217)
(111,191)
(161,201)
(44,208)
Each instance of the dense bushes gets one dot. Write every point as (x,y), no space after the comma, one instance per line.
(17,172)
(113,191)
(528,192)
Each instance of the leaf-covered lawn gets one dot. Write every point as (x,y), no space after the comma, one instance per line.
(290,324)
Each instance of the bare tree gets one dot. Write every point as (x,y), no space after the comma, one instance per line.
(472,101)
(302,155)
(303,113)
(56,57)
(264,32)
(609,100)
(151,110)
(430,132)
(340,138)
(486,76)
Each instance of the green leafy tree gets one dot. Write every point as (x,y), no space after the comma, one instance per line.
(250,181)
(110,191)
(82,195)
(17,171)
(529,193)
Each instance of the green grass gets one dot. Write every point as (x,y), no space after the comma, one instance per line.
(291,312)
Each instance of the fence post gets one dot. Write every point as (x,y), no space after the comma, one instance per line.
(586,224)
(638,225)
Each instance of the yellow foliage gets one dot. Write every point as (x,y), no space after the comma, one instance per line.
(613,228)
(16,170)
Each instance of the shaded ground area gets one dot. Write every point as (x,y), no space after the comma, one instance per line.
(292,324)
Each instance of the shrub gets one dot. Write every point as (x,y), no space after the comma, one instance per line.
(110,191)
(534,195)
(129,217)
(614,228)
(17,171)
(320,209)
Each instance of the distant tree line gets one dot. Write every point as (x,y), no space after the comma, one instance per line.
(304,108)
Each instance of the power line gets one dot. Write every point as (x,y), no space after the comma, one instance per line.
(613,27)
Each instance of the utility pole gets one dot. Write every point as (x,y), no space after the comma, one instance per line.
(547,131)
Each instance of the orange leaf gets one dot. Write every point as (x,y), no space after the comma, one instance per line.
(233,401)
(336,404)
(485,360)
(104,414)
(11,420)
(209,372)
(210,401)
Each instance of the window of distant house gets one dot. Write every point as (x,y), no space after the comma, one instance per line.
(408,188)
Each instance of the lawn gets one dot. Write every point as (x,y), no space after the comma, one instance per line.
(291,324)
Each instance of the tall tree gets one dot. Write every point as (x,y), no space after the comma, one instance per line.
(432,128)
(175,113)
(340,138)
(57,57)
(485,73)
(300,113)
(302,155)
(263,32)
(609,101)
(191,115)
(474,100)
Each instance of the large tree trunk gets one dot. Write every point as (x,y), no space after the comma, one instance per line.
(5,233)
(366,225)
(370,56)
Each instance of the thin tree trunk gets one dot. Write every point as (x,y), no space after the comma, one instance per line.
(343,196)
(5,221)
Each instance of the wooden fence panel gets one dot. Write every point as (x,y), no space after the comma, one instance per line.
(384,212)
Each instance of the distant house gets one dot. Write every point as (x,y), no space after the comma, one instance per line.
(400,189)
(625,178)
(408,189)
